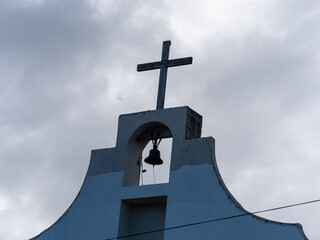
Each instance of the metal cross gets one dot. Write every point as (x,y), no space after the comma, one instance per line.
(163,66)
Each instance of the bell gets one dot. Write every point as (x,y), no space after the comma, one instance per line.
(154,156)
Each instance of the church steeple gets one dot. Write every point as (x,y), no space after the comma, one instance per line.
(112,205)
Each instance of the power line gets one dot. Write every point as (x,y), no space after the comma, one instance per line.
(216,219)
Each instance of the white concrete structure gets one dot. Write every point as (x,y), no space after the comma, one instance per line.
(111,204)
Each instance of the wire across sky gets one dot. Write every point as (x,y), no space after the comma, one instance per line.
(216,219)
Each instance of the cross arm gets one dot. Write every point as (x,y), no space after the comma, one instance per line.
(165,63)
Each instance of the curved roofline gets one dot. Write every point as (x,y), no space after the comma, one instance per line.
(234,200)
(68,209)
(210,140)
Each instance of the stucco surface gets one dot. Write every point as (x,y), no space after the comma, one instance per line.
(195,192)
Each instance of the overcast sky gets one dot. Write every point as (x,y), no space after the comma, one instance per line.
(68,70)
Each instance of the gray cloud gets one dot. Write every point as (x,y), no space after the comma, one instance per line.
(68,71)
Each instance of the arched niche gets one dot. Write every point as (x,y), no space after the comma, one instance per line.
(135,146)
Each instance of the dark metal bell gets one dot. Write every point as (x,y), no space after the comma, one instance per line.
(154,156)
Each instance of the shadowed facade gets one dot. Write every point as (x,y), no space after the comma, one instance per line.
(112,205)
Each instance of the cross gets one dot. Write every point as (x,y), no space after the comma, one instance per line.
(163,65)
